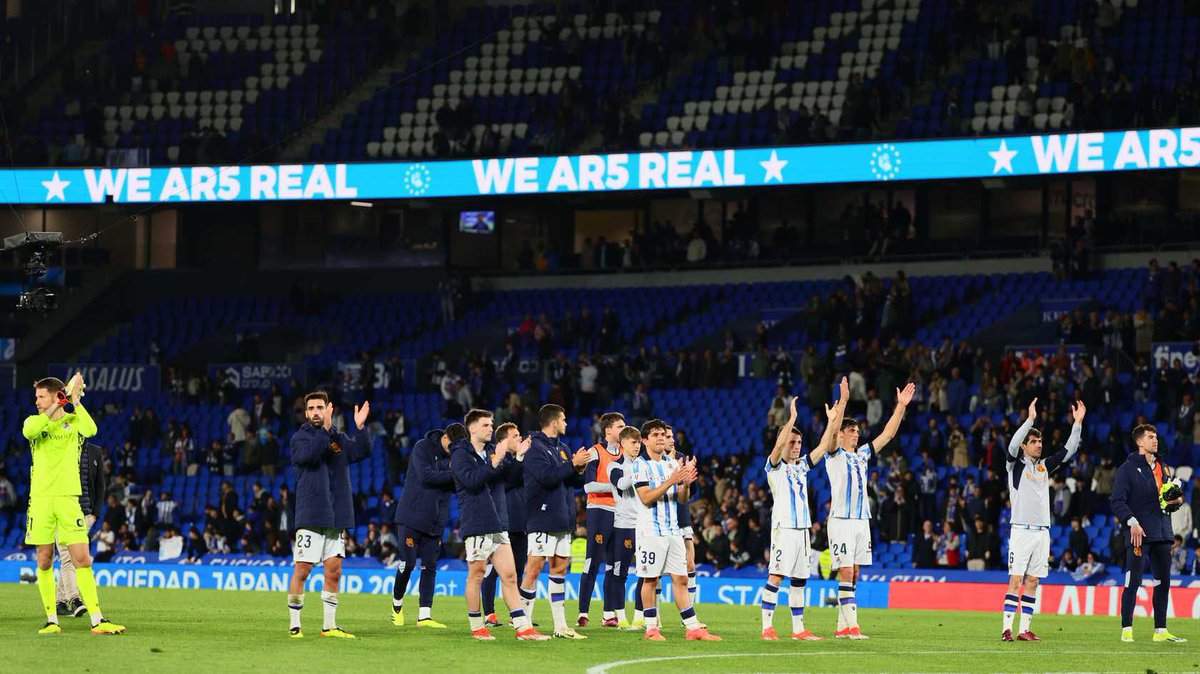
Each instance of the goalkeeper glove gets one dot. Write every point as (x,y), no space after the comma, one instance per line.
(1170,491)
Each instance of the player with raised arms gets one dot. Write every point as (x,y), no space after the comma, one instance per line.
(850,513)
(322,456)
(787,476)
(54,436)
(1029,492)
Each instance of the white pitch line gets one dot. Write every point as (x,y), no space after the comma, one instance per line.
(606,667)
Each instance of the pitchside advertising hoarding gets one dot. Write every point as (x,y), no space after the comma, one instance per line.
(740,592)
(947,596)
(990,157)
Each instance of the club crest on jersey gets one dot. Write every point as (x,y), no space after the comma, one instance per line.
(408,541)
(599,538)
(563,453)
(628,544)
(67,426)
(1041,468)
(335,446)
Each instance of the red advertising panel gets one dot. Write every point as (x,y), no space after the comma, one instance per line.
(1057,599)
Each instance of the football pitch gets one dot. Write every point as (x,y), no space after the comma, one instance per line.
(221,632)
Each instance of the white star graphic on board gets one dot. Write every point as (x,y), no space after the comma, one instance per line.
(773,167)
(55,188)
(1003,158)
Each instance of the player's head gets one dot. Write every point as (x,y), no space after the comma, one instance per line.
(654,434)
(791,452)
(631,442)
(670,438)
(314,407)
(443,440)
(553,420)
(1145,438)
(479,425)
(611,424)
(505,431)
(46,391)
(847,436)
(1032,447)
(456,432)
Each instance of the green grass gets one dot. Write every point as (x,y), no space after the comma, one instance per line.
(221,632)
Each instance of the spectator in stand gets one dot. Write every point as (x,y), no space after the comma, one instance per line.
(949,547)
(1069,562)
(8,501)
(924,553)
(1078,540)
(1178,556)
(1090,570)
(979,547)
(933,442)
(106,542)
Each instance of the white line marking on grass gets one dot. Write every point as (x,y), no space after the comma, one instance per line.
(607,667)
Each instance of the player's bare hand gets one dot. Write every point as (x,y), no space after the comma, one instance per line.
(75,387)
(831,412)
(792,409)
(905,396)
(1136,534)
(1078,411)
(498,454)
(677,476)
(327,420)
(844,389)
(361,414)
(582,457)
(522,447)
(1031,413)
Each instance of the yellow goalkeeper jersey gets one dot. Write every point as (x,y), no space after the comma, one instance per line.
(56,445)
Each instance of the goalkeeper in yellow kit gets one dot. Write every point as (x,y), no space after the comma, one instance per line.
(54,435)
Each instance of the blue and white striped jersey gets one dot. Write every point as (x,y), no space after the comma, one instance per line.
(660,518)
(848,481)
(789,487)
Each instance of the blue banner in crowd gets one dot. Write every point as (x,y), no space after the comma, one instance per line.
(1053,310)
(381,581)
(1164,355)
(124,378)
(258,376)
(814,164)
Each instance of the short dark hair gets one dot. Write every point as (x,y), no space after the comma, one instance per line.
(51,384)
(502,430)
(474,415)
(608,419)
(316,395)
(1034,434)
(549,413)
(456,432)
(1142,429)
(653,425)
(630,432)
(848,423)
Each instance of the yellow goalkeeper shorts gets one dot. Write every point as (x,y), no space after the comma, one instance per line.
(55,515)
